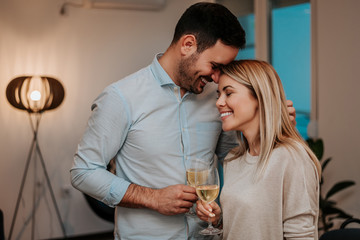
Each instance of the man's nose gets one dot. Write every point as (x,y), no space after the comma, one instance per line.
(216,75)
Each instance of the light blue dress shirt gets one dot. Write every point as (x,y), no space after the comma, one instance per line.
(152,133)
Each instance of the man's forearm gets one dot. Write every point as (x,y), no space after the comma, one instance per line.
(138,197)
(171,200)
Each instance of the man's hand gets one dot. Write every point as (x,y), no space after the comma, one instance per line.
(171,200)
(175,199)
(291,110)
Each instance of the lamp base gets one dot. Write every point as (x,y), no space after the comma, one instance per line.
(36,149)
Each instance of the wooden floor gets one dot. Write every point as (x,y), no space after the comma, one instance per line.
(98,236)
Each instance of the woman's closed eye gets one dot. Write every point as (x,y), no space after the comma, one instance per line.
(228,93)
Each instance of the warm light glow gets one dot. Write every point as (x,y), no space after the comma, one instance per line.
(35,95)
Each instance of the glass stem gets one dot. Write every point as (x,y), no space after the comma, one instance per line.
(210,226)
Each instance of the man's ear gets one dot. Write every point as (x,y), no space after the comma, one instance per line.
(188,45)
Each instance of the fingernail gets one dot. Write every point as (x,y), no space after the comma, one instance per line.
(212,215)
(210,209)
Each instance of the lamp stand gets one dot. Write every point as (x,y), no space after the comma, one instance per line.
(35,148)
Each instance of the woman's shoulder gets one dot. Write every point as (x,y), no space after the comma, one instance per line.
(291,152)
(293,157)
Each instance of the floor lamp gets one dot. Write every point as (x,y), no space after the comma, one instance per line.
(35,94)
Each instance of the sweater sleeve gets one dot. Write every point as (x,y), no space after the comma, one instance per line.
(300,200)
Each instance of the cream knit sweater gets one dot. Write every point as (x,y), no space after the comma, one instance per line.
(283,204)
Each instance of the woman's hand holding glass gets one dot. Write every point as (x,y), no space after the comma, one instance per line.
(207,189)
(207,211)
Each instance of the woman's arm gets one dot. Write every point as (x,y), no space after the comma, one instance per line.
(301,198)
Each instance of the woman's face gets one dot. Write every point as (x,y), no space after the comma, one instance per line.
(237,106)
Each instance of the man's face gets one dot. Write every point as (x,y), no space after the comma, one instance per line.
(195,71)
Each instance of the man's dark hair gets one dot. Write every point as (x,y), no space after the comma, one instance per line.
(210,22)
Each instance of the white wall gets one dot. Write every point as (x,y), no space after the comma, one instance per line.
(86,50)
(339,99)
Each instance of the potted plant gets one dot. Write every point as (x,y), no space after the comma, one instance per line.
(328,209)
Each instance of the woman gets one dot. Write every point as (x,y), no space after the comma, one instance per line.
(271,181)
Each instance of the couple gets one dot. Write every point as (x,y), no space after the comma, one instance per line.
(157,119)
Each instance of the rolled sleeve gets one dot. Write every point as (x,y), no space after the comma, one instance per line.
(104,136)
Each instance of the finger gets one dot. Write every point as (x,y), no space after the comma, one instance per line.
(293,120)
(289,103)
(202,215)
(189,197)
(183,204)
(216,208)
(200,207)
(206,209)
(176,211)
(189,189)
(201,212)
(183,210)
(291,111)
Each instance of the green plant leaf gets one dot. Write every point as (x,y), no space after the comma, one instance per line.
(323,165)
(338,187)
(328,211)
(333,210)
(341,215)
(326,203)
(317,146)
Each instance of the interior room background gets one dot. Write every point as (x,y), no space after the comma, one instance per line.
(87,49)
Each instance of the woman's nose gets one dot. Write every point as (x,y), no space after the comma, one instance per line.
(219,102)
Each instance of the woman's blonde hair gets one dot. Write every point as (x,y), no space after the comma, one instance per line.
(275,126)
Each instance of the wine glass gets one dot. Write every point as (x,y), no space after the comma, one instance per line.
(207,189)
(195,167)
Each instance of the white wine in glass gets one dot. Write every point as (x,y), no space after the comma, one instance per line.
(196,170)
(208,190)
(208,193)
(190,176)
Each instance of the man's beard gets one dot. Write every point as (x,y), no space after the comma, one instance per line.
(185,79)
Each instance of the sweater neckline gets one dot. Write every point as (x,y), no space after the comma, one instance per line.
(250,159)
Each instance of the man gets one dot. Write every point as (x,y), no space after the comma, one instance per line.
(153,123)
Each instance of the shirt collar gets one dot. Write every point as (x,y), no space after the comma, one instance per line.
(159,72)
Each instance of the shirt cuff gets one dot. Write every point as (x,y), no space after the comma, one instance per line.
(117,191)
